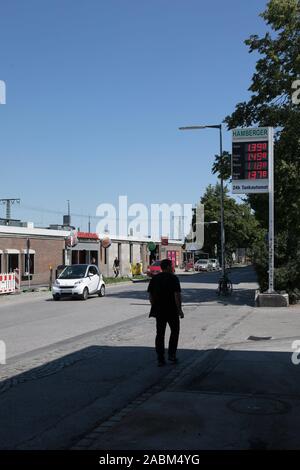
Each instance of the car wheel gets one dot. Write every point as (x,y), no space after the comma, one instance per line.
(101,292)
(56,297)
(85,293)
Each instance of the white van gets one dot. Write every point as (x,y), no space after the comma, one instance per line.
(79,280)
(214,264)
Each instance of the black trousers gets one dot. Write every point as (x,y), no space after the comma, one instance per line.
(174,324)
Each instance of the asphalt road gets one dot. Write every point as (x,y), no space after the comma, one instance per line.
(32,321)
(71,364)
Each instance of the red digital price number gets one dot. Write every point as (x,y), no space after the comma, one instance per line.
(257,174)
(257,156)
(256,165)
(258,147)
(257,151)
(250,160)
(256,160)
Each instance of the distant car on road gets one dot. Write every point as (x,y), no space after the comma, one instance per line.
(215,265)
(203,265)
(79,280)
(155,268)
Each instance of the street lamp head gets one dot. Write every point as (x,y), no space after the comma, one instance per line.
(190,128)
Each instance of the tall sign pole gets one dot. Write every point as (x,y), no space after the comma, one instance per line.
(271,210)
(253,173)
(223,260)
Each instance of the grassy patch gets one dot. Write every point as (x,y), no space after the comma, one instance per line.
(116,280)
(140,277)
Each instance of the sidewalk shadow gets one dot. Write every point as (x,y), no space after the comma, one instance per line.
(53,406)
(239,297)
(237,275)
(197,295)
(45,406)
(233,400)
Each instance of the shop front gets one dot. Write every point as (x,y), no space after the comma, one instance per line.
(171,250)
(86,251)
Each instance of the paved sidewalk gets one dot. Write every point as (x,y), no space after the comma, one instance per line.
(243,394)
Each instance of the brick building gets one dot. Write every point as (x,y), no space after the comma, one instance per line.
(46,247)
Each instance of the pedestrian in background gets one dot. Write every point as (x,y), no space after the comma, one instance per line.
(116,267)
(165,298)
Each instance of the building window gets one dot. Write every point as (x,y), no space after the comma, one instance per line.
(28,265)
(105,255)
(94,257)
(12,262)
(130,252)
(75,256)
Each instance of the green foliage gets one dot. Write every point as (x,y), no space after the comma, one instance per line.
(116,280)
(241,228)
(270,104)
(222,166)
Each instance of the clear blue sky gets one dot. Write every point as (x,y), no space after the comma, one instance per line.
(97,89)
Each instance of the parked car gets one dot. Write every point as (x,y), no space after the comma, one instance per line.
(79,280)
(155,268)
(215,265)
(202,265)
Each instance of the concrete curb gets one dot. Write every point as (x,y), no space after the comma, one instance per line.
(271,300)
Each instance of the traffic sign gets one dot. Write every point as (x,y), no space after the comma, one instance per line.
(252,160)
(252,172)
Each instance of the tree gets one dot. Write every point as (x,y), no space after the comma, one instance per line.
(222,165)
(271,104)
(241,227)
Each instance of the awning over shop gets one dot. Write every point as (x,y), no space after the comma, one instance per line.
(90,246)
(193,247)
(12,251)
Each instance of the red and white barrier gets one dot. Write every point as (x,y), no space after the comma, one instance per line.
(7,283)
(17,279)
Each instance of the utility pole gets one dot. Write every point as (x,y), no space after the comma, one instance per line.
(8,203)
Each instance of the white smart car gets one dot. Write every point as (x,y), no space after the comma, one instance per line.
(79,280)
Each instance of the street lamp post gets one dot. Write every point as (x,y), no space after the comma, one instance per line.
(216,126)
